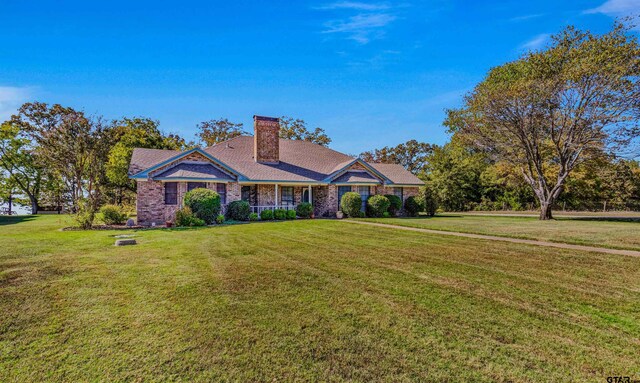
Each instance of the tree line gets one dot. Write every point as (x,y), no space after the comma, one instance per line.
(549,130)
(556,128)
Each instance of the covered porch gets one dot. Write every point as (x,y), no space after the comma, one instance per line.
(263,196)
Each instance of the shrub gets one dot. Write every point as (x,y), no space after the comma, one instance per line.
(395,204)
(377,205)
(304,210)
(204,203)
(279,214)
(113,215)
(386,214)
(266,215)
(185,217)
(350,204)
(254,217)
(412,207)
(238,210)
(85,214)
(220,219)
(291,214)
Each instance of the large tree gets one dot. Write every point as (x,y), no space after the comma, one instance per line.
(296,129)
(215,131)
(127,134)
(70,146)
(412,155)
(452,174)
(22,172)
(554,109)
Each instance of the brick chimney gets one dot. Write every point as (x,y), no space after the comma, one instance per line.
(266,141)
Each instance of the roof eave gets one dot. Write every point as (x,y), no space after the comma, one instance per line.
(202,179)
(345,168)
(144,173)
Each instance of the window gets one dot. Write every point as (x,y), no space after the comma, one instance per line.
(341,191)
(364,192)
(195,185)
(305,195)
(245,193)
(397,191)
(287,195)
(222,191)
(170,193)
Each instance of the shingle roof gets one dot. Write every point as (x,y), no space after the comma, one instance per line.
(193,171)
(356,177)
(300,161)
(397,174)
(142,159)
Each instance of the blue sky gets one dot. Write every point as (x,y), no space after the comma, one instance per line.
(370,73)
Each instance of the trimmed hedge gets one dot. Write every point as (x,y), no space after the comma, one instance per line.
(220,219)
(279,214)
(412,207)
(377,205)
(291,214)
(113,215)
(350,204)
(395,204)
(304,210)
(238,210)
(254,217)
(185,217)
(266,215)
(204,203)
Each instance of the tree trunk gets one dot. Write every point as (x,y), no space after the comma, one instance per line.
(545,210)
(34,205)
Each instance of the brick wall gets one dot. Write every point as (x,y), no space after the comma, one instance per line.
(266,140)
(150,204)
(151,208)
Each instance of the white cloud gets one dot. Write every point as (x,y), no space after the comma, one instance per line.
(536,43)
(361,28)
(360,6)
(11,98)
(616,8)
(358,20)
(526,17)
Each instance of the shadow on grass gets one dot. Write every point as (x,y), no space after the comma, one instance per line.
(423,217)
(519,217)
(13,219)
(600,219)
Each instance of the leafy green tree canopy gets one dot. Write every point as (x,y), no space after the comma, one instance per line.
(412,155)
(20,170)
(296,129)
(215,131)
(553,109)
(130,133)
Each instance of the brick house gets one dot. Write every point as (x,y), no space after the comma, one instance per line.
(264,170)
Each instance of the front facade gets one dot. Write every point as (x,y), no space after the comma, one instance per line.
(264,170)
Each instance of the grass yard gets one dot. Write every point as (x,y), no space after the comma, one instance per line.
(611,233)
(309,300)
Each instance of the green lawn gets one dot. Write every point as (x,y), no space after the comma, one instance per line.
(308,300)
(580,231)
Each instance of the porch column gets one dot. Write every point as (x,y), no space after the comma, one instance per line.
(276,201)
(310,196)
